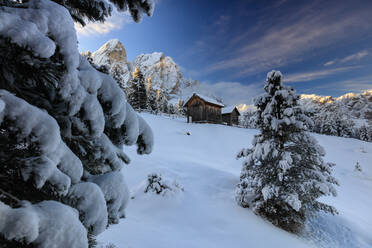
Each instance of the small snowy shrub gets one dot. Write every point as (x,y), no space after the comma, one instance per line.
(63,126)
(284,174)
(357,167)
(161,186)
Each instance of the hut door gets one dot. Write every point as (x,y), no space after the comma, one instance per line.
(190,119)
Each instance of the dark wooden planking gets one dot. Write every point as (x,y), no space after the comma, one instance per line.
(231,118)
(202,111)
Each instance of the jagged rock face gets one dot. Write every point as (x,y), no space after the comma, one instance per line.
(162,70)
(113,55)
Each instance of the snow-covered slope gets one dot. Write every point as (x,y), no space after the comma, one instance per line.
(206,215)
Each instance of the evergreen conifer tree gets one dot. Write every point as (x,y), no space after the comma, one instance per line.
(137,95)
(151,95)
(284,174)
(161,101)
(363,133)
(180,110)
(63,125)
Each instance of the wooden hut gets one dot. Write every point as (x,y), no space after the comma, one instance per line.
(230,115)
(203,109)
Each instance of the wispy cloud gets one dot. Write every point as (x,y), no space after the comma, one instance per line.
(330,63)
(222,23)
(232,93)
(352,57)
(115,22)
(289,40)
(313,75)
(357,84)
(356,56)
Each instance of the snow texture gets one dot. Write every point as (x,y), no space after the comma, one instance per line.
(48,224)
(145,140)
(116,194)
(206,215)
(160,185)
(89,200)
(55,163)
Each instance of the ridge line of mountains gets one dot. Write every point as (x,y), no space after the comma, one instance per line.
(166,75)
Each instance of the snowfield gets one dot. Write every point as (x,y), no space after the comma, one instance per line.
(205,214)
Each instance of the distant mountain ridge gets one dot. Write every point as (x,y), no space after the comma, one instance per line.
(353,105)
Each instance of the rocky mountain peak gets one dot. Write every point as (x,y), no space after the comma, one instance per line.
(163,71)
(113,55)
(111,52)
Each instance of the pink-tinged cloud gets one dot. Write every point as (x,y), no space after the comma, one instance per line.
(350,58)
(115,22)
(289,40)
(313,75)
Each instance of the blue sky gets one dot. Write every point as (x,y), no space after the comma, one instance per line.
(321,47)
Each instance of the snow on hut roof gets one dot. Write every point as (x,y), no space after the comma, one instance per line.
(228,110)
(206,99)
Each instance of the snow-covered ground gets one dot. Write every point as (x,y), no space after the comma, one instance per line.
(205,213)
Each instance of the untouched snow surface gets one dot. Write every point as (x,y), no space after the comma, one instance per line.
(205,213)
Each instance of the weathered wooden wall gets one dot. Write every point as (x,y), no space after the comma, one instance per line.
(231,118)
(235,117)
(226,118)
(201,111)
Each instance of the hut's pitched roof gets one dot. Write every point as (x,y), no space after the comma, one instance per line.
(205,98)
(229,110)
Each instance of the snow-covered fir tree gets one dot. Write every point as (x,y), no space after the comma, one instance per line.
(136,93)
(331,121)
(180,109)
(63,125)
(284,174)
(151,96)
(365,133)
(161,101)
(248,119)
(332,116)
